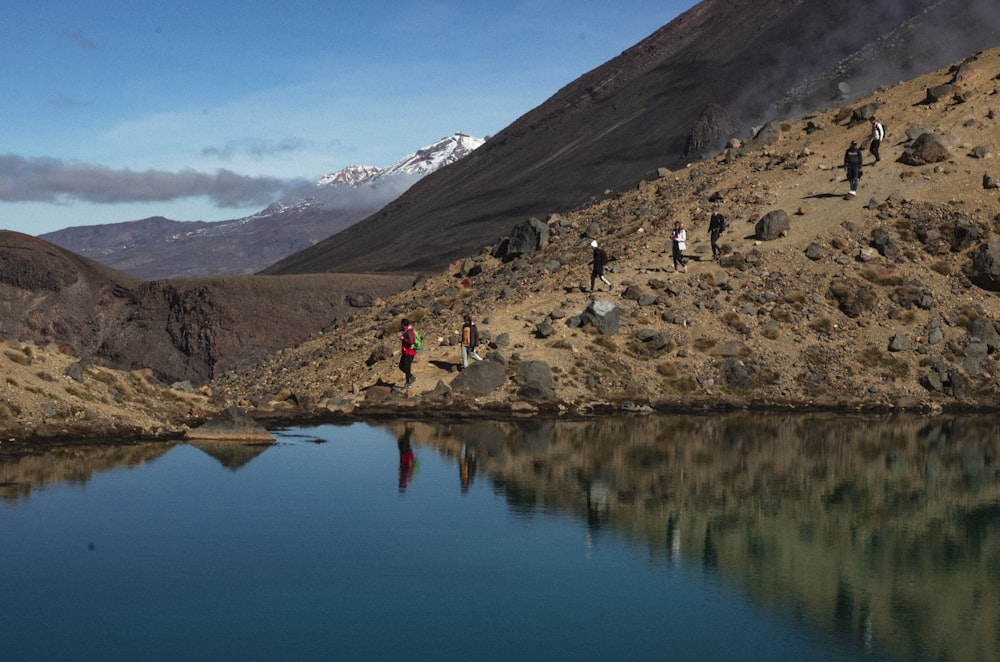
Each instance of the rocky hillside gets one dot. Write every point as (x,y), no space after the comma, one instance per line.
(712,73)
(181,329)
(885,300)
(49,395)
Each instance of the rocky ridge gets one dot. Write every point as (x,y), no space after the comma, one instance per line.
(880,301)
(49,395)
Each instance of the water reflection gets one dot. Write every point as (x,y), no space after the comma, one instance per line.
(407,463)
(24,468)
(233,455)
(884,528)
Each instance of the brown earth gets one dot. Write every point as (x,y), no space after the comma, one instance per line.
(181,329)
(47,395)
(766,326)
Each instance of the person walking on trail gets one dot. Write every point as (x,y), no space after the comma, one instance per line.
(597,270)
(716,226)
(852,162)
(409,348)
(878,133)
(678,240)
(470,339)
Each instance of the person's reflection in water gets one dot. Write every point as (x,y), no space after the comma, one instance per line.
(466,467)
(673,541)
(406,460)
(709,553)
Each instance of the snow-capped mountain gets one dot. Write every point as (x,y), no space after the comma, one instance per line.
(414,166)
(161,248)
(353,175)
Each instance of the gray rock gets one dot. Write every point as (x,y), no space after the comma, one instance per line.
(233,424)
(928,148)
(75,371)
(535,379)
(544,330)
(898,343)
(480,378)
(975,354)
(527,237)
(814,251)
(985,330)
(941,92)
(986,265)
(603,316)
(775,224)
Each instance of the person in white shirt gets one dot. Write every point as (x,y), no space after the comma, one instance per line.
(878,133)
(679,240)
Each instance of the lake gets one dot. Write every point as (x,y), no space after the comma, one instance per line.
(737,537)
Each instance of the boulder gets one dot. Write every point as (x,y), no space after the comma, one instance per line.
(535,380)
(941,92)
(480,378)
(928,148)
(984,329)
(527,237)
(986,265)
(773,225)
(603,316)
(233,424)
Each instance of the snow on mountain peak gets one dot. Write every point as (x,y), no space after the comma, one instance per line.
(422,162)
(353,175)
(447,150)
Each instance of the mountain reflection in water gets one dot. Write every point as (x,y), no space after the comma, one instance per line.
(883,530)
(886,527)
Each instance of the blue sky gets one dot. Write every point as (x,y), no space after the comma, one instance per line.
(209,110)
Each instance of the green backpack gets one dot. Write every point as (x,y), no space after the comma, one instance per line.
(418,343)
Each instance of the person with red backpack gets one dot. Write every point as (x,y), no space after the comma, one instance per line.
(597,270)
(409,348)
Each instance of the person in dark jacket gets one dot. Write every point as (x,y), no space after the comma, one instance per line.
(597,270)
(716,226)
(852,162)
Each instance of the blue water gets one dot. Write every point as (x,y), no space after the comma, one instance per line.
(313,551)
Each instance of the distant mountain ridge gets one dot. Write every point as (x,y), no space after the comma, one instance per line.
(157,247)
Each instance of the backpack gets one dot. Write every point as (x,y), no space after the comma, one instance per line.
(418,343)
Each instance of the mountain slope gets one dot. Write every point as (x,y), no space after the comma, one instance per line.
(159,248)
(709,74)
(886,300)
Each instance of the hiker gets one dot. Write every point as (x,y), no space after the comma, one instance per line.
(878,133)
(852,162)
(470,339)
(409,347)
(597,271)
(678,239)
(716,226)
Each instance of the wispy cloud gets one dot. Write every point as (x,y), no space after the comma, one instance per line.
(81,39)
(254,148)
(51,180)
(60,100)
